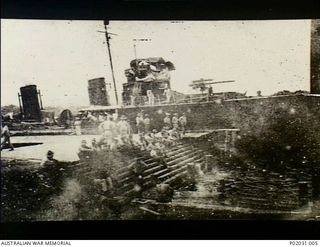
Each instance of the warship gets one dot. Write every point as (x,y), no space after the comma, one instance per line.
(241,157)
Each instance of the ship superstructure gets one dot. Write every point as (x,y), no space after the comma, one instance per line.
(147,74)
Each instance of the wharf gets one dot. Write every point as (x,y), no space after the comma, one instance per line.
(65,148)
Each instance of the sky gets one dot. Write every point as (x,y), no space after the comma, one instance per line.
(61,56)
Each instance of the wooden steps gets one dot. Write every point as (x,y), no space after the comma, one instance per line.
(174,169)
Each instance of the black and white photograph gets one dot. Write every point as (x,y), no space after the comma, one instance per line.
(160,120)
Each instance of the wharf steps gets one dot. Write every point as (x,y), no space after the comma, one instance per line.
(173,170)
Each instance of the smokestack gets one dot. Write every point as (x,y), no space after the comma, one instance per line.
(97,92)
(315,57)
(30,103)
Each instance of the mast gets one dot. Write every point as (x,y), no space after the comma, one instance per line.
(20,105)
(135,49)
(41,106)
(111,65)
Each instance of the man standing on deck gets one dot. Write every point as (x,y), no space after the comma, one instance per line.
(108,127)
(5,134)
(150,96)
(175,121)
(167,121)
(140,122)
(168,94)
(210,93)
(136,90)
(146,123)
(124,130)
(77,126)
(183,123)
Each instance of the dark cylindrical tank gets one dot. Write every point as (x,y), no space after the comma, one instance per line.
(98,92)
(30,103)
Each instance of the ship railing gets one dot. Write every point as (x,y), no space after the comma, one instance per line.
(142,100)
(197,99)
(191,99)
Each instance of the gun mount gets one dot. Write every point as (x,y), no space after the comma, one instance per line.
(202,84)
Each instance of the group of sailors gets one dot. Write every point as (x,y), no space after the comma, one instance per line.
(117,134)
(94,117)
(152,97)
(88,119)
(176,122)
(169,94)
(157,143)
(114,134)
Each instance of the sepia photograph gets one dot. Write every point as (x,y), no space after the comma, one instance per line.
(160,120)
